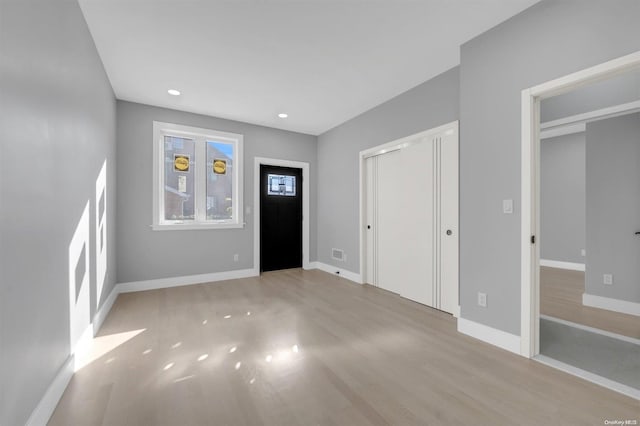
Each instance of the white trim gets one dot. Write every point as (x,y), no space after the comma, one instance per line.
(351,276)
(610,304)
(499,338)
(49,401)
(595,115)
(185,280)
(592,330)
(529,297)
(586,76)
(577,123)
(405,141)
(569,129)
(588,376)
(199,174)
(456,313)
(562,265)
(530,223)
(101,314)
(256,207)
(197,227)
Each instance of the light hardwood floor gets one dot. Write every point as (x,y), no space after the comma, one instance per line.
(561,297)
(364,357)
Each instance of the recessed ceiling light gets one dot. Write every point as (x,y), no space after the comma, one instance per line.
(173,92)
(283,115)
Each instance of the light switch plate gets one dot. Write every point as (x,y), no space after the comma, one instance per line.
(607,279)
(507,206)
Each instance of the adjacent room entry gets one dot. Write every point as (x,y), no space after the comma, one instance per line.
(280,218)
(410,217)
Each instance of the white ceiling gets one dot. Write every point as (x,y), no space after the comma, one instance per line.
(321,61)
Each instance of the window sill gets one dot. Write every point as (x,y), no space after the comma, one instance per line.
(195,227)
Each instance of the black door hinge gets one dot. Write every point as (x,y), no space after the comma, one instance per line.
(533,239)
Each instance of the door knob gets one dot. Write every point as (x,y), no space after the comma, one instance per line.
(449,232)
(368,226)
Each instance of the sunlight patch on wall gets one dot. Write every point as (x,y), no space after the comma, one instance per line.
(79,273)
(101,231)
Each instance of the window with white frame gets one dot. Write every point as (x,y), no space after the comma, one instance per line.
(197,178)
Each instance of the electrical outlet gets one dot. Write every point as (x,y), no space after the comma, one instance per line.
(482,299)
(583,252)
(607,279)
(236,257)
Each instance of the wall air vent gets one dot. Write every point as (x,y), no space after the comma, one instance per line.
(338,254)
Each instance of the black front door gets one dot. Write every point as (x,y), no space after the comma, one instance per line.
(280,218)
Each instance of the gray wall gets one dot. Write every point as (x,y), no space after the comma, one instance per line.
(145,254)
(428,105)
(562,198)
(613,207)
(57,121)
(548,40)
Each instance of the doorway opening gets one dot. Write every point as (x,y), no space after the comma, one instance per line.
(580,205)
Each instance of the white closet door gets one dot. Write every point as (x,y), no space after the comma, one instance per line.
(449,223)
(416,217)
(412,207)
(389,243)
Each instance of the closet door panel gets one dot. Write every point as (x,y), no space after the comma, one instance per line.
(449,224)
(416,215)
(389,245)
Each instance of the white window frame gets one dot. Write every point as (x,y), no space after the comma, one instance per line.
(200,136)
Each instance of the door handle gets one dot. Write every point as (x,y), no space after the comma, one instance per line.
(449,232)
(368,226)
(638,233)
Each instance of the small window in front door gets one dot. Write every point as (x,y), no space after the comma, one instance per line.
(281,185)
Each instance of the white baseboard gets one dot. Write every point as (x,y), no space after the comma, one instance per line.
(562,265)
(49,401)
(42,413)
(101,314)
(310,265)
(352,276)
(616,305)
(186,280)
(499,338)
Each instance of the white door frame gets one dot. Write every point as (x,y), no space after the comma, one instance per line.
(258,161)
(382,149)
(530,253)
